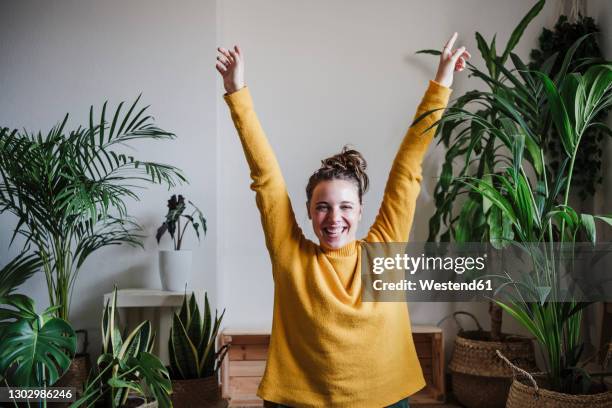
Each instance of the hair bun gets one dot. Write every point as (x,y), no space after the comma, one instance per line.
(349,164)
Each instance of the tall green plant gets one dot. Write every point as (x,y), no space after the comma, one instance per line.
(587,172)
(478,151)
(537,206)
(476,148)
(68,189)
(192,342)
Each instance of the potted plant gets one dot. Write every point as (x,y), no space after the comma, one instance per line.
(536,206)
(127,373)
(175,265)
(36,348)
(479,378)
(68,190)
(194,360)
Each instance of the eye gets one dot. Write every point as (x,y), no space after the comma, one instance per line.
(346,207)
(321,207)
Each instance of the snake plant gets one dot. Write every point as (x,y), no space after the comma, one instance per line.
(192,342)
(126,365)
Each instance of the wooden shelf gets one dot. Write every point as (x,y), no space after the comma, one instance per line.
(242,370)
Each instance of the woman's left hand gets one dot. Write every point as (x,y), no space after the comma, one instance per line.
(451,61)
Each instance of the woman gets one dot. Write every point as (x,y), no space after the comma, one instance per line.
(329,349)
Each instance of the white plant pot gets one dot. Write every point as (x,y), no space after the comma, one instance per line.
(175,269)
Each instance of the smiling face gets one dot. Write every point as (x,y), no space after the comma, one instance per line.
(335,212)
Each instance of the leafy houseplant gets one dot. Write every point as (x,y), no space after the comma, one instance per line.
(536,207)
(175,266)
(68,190)
(567,30)
(126,366)
(194,360)
(473,150)
(36,348)
(172,224)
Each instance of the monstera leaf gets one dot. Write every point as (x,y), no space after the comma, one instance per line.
(41,350)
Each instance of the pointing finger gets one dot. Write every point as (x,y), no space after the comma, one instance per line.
(449,44)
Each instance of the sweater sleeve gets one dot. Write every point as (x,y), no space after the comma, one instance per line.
(277,217)
(394,219)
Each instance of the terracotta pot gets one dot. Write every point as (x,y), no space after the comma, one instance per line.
(199,392)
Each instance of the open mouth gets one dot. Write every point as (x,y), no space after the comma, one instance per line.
(334,232)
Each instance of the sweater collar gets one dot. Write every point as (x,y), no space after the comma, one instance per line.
(347,250)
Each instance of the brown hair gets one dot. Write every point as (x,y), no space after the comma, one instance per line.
(348,165)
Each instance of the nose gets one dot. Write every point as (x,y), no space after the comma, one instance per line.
(334,214)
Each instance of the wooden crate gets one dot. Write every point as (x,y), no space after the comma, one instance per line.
(243,369)
(429,345)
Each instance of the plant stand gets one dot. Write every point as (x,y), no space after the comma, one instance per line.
(157,306)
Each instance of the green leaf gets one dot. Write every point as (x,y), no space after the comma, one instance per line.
(520,29)
(156,377)
(588,222)
(431,52)
(41,353)
(559,114)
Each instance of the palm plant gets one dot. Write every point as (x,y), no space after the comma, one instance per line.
(192,342)
(68,190)
(18,271)
(531,210)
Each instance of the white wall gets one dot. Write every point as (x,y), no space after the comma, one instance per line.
(322,74)
(62,56)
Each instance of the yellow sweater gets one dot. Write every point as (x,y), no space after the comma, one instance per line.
(329,349)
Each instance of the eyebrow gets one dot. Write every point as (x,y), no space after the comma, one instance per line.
(342,202)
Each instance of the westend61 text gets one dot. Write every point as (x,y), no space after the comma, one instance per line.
(429,284)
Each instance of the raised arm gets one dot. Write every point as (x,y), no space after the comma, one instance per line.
(396,213)
(277,217)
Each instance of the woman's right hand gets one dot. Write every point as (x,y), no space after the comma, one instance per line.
(230,65)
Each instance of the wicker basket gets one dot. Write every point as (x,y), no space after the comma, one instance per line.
(199,392)
(522,395)
(525,393)
(480,379)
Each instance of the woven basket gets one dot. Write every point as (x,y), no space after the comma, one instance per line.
(522,395)
(77,374)
(480,379)
(199,392)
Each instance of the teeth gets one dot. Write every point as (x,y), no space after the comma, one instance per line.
(335,230)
